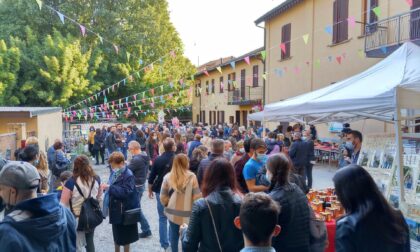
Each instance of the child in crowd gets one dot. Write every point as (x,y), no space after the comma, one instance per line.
(64,176)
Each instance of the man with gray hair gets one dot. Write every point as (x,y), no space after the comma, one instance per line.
(139,165)
(32,223)
(216,151)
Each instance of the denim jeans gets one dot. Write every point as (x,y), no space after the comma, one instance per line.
(143,221)
(174,236)
(163,224)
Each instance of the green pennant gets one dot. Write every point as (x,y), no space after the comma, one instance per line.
(263,55)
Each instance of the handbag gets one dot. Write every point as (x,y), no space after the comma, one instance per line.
(214,225)
(131,216)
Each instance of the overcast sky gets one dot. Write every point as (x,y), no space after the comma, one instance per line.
(211,29)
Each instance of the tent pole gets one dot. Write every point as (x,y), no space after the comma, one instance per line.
(398,135)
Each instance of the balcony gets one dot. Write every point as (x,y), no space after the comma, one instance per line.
(385,36)
(245,96)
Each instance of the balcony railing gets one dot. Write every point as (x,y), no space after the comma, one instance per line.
(385,36)
(245,96)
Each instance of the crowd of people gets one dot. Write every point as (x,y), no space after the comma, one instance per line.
(217,188)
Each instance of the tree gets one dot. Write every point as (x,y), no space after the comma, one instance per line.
(9,67)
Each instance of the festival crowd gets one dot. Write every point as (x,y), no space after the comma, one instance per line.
(217,188)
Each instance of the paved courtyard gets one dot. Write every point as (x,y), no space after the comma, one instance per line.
(103,234)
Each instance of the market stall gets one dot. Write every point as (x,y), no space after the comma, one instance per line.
(388,91)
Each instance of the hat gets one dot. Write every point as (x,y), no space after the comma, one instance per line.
(19,175)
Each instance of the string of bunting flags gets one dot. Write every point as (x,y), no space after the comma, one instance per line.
(84,31)
(306,37)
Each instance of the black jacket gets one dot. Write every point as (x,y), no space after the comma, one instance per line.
(293,219)
(364,235)
(201,235)
(139,165)
(161,166)
(301,153)
(99,142)
(110,142)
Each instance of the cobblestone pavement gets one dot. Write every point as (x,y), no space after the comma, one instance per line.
(322,176)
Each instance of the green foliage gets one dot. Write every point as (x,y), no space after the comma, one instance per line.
(53,65)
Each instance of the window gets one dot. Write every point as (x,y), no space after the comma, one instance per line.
(203,116)
(417,128)
(231,79)
(243,83)
(210,117)
(340,23)
(221,84)
(286,33)
(368,16)
(212,86)
(197,90)
(255,76)
(207,87)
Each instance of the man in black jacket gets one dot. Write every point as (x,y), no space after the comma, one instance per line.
(139,165)
(110,140)
(300,153)
(160,168)
(217,148)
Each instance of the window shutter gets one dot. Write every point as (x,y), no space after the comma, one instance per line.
(220,84)
(335,23)
(344,14)
(229,82)
(286,31)
(255,76)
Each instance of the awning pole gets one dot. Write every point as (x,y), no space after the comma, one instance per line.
(398,135)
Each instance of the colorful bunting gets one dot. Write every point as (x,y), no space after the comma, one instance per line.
(206,73)
(306,38)
(283,47)
(247,60)
(377,11)
(263,55)
(233,64)
(410,3)
(83,30)
(328,29)
(39,2)
(61,16)
(219,69)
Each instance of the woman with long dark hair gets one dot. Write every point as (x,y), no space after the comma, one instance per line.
(370,223)
(294,215)
(84,181)
(211,225)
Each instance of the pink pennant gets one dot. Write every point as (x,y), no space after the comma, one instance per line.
(115,48)
(409,2)
(247,60)
(338,58)
(283,47)
(71,118)
(126,104)
(181,81)
(113,103)
(206,73)
(135,97)
(82,30)
(91,115)
(152,91)
(128,111)
(351,21)
(152,104)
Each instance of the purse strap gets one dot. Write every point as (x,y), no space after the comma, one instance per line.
(214,225)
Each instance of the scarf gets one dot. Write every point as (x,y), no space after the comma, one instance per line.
(115,175)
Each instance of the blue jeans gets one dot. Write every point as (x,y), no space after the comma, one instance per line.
(143,221)
(163,224)
(174,236)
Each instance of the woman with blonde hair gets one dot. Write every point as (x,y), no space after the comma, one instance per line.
(41,165)
(179,191)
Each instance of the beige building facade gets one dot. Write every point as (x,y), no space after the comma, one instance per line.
(45,123)
(314,43)
(227,90)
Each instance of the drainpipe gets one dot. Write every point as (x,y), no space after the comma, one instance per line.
(264,62)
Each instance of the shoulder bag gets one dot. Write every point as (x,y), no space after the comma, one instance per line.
(214,225)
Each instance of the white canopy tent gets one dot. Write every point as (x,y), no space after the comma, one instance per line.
(381,92)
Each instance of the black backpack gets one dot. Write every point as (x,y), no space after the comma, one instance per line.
(57,168)
(90,214)
(157,183)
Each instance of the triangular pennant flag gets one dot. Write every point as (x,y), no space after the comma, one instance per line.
(124,82)
(206,73)
(152,104)
(377,11)
(338,58)
(61,16)
(192,76)
(219,69)
(306,38)
(140,62)
(101,39)
(137,114)
(247,60)
(115,48)
(39,2)
(351,21)
(161,88)
(139,107)
(410,3)
(263,55)
(82,30)
(328,29)
(138,75)
(126,99)
(134,97)
(264,76)
(283,47)
(361,53)
(233,64)
(384,49)
(128,56)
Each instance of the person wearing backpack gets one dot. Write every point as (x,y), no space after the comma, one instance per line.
(80,188)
